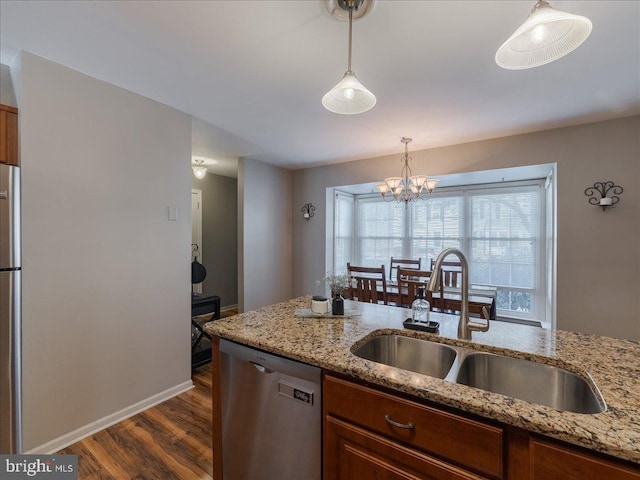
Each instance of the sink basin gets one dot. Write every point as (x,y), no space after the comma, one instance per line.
(413,354)
(534,382)
(530,381)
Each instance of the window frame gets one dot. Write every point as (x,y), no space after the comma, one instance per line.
(539,294)
(341,267)
(538,304)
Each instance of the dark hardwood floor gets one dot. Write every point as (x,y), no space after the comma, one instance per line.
(171,441)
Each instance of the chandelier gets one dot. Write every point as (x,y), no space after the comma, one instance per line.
(407,187)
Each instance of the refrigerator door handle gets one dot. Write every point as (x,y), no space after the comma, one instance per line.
(10,312)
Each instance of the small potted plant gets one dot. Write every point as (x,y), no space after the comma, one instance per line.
(337,283)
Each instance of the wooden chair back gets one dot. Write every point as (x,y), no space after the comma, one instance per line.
(404,263)
(451,273)
(408,282)
(450,276)
(368,284)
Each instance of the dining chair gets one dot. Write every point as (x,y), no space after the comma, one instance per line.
(404,263)
(451,273)
(409,280)
(368,284)
(450,276)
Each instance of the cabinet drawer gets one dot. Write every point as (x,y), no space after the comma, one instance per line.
(551,460)
(474,445)
(356,453)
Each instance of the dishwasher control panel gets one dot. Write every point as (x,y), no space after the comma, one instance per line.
(296,393)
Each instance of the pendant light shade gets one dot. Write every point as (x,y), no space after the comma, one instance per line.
(349,96)
(545,36)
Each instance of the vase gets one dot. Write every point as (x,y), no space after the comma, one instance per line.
(337,304)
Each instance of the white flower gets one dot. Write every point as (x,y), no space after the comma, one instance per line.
(336,283)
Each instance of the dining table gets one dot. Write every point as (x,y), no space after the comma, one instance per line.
(480,297)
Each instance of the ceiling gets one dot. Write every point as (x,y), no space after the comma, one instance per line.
(253,72)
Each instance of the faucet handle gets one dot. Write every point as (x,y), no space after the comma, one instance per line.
(480,326)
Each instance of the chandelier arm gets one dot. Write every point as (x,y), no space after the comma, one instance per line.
(406,173)
(407,169)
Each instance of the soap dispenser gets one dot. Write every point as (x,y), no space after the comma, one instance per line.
(420,307)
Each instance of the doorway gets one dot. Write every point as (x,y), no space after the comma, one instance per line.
(196,231)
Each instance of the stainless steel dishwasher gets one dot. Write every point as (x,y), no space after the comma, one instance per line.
(271,416)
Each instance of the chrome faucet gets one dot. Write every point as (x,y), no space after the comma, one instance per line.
(465,325)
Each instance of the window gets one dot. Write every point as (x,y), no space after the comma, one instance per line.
(343,232)
(380,231)
(500,228)
(436,224)
(504,245)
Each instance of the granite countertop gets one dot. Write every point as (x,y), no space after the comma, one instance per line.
(613,364)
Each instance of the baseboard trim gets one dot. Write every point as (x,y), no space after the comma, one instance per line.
(229,307)
(70,438)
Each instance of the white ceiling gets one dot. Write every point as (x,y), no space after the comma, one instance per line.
(254,72)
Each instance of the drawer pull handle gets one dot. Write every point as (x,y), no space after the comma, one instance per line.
(408,426)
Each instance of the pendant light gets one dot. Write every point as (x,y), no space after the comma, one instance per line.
(545,36)
(349,96)
(199,170)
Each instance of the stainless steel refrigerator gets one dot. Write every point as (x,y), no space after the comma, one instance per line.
(10,302)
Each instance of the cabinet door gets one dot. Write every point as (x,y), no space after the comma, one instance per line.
(550,460)
(8,135)
(474,445)
(351,452)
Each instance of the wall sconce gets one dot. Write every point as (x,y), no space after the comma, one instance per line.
(308,211)
(603,194)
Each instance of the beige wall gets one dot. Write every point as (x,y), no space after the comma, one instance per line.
(598,252)
(264,223)
(106,276)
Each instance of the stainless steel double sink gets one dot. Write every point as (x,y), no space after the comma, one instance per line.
(534,382)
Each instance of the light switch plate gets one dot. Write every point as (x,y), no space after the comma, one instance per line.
(173,214)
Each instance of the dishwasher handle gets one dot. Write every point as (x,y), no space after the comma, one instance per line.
(261,368)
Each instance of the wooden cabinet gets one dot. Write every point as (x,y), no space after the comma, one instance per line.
(369,433)
(551,459)
(8,135)
(372,434)
(352,453)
